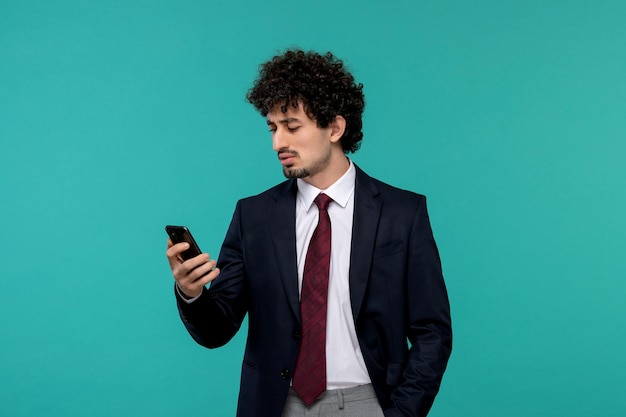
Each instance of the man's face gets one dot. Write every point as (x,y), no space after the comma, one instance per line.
(304,149)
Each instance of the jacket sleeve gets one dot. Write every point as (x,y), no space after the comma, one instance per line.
(429,325)
(216,316)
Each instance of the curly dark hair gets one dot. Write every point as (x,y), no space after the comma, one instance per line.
(322,82)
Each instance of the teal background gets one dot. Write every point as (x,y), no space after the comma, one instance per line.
(118,117)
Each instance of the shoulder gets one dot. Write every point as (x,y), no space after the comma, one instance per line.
(285,190)
(388,193)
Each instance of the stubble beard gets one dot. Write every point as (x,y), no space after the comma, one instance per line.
(295,172)
(304,172)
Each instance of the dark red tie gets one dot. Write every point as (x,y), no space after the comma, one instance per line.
(309,378)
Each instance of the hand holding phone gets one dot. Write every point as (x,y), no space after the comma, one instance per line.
(194,272)
(180,234)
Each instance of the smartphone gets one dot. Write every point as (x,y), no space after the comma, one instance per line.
(180,234)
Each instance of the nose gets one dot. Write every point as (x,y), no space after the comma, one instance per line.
(279,140)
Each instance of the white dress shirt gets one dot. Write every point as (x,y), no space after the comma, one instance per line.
(345,366)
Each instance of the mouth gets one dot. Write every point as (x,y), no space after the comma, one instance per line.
(287,158)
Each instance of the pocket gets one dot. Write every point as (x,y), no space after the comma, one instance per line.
(394,374)
(389,248)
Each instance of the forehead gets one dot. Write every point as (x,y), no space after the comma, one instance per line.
(291,114)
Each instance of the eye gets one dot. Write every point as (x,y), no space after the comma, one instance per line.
(293,129)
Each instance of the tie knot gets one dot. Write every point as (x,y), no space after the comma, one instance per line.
(322,201)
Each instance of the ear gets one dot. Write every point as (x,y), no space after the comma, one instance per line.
(338,128)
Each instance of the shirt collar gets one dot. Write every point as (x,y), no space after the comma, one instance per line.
(340,191)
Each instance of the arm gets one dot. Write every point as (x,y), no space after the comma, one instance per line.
(429,325)
(214,315)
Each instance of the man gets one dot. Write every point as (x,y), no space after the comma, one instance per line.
(337,271)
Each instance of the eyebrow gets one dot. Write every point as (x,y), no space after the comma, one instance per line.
(283,121)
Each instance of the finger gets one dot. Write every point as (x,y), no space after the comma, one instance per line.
(177,249)
(194,288)
(207,277)
(185,272)
(196,261)
(173,252)
(202,269)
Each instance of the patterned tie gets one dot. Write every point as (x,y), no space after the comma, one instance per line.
(309,379)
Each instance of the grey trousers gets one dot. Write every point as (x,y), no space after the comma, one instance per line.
(358,401)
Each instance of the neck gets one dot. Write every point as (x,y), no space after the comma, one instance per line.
(338,166)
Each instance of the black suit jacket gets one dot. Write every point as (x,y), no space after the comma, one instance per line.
(396,288)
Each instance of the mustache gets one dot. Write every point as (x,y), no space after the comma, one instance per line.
(287,151)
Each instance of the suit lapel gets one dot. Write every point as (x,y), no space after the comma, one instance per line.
(283,230)
(367,208)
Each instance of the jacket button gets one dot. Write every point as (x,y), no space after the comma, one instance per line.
(296,334)
(285,374)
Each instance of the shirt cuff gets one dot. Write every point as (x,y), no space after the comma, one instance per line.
(184,297)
